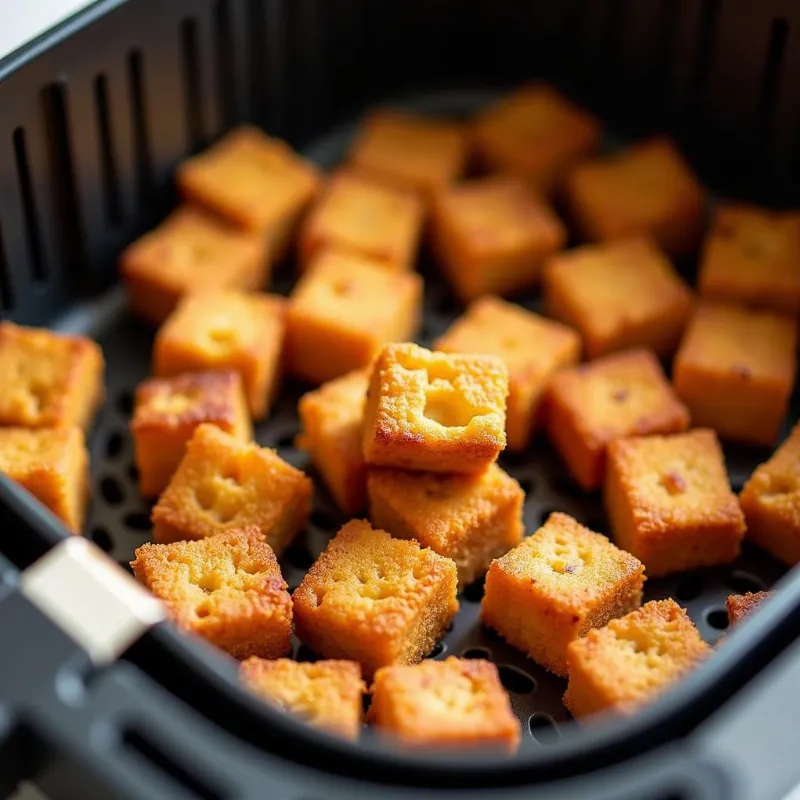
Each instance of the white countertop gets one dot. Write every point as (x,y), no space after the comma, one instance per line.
(22,21)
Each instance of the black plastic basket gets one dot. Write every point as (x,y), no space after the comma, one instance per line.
(97,113)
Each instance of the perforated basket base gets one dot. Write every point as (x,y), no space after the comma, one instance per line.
(120,521)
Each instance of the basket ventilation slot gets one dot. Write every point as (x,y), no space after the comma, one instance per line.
(108,162)
(6,293)
(142,152)
(32,230)
(226,78)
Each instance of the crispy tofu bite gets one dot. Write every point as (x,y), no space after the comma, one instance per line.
(455,704)
(646,188)
(375,599)
(227,589)
(50,380)
(670,503)
(435,411)
(223,484)
(742,605)
(555,586)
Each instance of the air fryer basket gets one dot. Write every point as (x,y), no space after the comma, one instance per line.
(97,114)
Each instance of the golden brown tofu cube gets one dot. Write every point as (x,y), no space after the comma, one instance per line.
(742,605)
(439,412)
(532,347)
(491,235)
(365,217)
(735,370)
(326,694)
(535,132)
(227,589)
(555,586)
(190,251)
(412,152)
(770,501)
(375,599)
(332,419)
(646,188)
(670,503)
(256,182)
(50,380)
(455,704)
(588,407)
(752,256)
(166,413)
(618,295)
(226,331)
(343,310)
(471,519)
(223,483)
(632,660)
(53,465)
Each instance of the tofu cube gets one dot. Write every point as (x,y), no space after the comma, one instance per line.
(190,251)
(589,406)
(752,256)
(536,133)
(53,465)
(326,694)
(471,519)
(226,331)
(255,182)
(343,310)
(770,501)
(742,605)
(455,704)
(670,503)
(632,660)
(227,589)
(409,151)
(374,599)
(532,347)
(49,380)
(735,370)
(223,484)
(618,295)
(555,586)
(365,217)
(646,188)
(332,420)
(438,412)
(166,413)
(491,235)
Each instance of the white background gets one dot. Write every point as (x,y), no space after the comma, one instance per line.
(22,20)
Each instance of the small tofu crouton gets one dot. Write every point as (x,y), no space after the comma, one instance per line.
(49,380)
(471,519)
(375,599)
(646,188)
(532,347)
(735,370)
(53,465)
(166,413)
(326,694)
(618,295)
(332,419)
(632,660)
(752,256)
(412,152)
(343,310)
(589,406)
(491,235)
(741,605)
(771,502)
(670,503)
(555,586)
(226,331)
(365,217)
(435,411)
(227,589)
(535,133)
(455,704)
(255,182)
(190,251)
(223,483)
